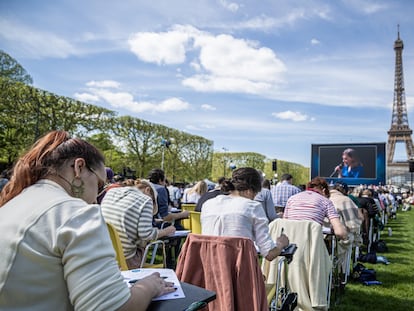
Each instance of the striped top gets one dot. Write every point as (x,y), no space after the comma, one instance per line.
(130,211)
(309,205)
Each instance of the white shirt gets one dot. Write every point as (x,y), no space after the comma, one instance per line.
(227,215)
(56,254)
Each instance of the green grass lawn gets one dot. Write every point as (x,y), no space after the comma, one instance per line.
(397,290)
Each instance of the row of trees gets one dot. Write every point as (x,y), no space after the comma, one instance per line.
(131,146)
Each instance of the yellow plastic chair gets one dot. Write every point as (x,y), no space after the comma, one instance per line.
(116,243)
(186,223)
(195,222)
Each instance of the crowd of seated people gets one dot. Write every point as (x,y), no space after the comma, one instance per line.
(62,194)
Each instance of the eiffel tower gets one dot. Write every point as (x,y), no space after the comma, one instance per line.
(400,131)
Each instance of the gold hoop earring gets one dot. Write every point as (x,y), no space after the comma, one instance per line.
(77,190)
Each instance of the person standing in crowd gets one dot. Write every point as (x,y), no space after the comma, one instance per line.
(56,253)
(282,192)
(238,214)
(351,166)
(264,196)
(130,210)
(314,204)
(369,209)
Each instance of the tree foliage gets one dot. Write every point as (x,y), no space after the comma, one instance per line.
(129,144)
(26,113)
(11,69)
(225,162)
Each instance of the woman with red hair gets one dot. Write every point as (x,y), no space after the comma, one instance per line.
(56,253)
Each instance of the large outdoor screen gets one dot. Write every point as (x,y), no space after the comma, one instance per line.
(355,164)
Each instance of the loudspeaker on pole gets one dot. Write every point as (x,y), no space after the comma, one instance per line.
(411,165)
(274,165)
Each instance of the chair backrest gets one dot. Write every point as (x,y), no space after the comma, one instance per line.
(150,253)
(188,206)
(116,242)
(311,266)
(227,266)
(195,222)
(186,223)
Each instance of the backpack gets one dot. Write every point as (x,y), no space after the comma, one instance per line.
(361,274)
(380,246)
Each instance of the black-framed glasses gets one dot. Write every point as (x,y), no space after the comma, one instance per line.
(101,182)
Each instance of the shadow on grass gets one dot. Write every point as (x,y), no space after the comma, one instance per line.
(360,297)
(396,291)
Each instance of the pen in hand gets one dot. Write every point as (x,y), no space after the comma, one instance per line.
(133,281)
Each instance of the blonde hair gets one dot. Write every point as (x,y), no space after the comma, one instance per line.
(199,188)
(128,182)
(143,184)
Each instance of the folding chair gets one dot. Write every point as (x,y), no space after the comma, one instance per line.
(186,223)
(308,273)
(195,222)
(116,243)
(226,265)
(279,296)
(150,253)
(335,274)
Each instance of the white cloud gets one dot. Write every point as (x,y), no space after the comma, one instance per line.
(86,97)
(37,44)
(315,41)
(103,91)
(161,48)
(224,63)
(104,84)
(226,56)
(172,104)
(366,6)
(211,83)
(291,115)
(285,19)
(232,6)
(208,107)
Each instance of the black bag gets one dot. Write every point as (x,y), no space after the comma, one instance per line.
(380,246)
(361,274)
(290,303)
(370,257)
(367,275)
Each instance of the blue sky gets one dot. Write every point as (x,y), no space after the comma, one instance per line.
(265,76)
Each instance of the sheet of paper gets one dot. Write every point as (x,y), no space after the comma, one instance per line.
(169,275)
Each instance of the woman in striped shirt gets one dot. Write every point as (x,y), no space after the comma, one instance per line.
(314,204)
(130,210)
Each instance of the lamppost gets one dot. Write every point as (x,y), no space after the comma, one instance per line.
(165,143)
(224,161)
(411,169)
(274,169)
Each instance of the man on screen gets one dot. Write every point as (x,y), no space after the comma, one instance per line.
(351,166)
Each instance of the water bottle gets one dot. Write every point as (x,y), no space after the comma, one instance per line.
(389,231)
